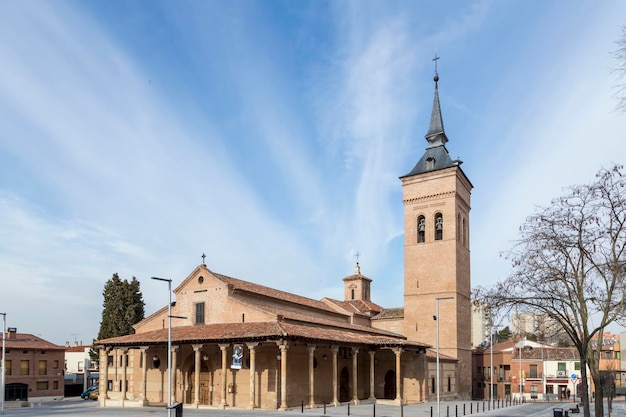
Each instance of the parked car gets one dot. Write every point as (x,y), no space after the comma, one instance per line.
(85,395)
(93,395)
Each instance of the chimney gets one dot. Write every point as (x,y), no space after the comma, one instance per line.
(75,343)
(67,343)
(12,333)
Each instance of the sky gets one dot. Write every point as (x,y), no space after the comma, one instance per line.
(270,136)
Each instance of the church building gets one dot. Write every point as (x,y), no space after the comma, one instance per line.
(239,344)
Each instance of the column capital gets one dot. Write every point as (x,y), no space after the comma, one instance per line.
(197,347)
(143,349)
(283,345)
(334,349)
(311,348)
(252,345)
(398,351)
(175,348)
(355,350)
(223,346)
(372,353)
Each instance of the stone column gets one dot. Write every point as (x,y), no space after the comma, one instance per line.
(196,375)
(335,350)
(252,348)
(174,357)
(398,352)
(283,375)
(124,356)
(311,349)
(372,375)
(355,379)
(223,348)
(144,374)
(104,376)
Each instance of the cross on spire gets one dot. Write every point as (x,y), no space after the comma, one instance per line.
(436,58)
(357,254)
(203,256)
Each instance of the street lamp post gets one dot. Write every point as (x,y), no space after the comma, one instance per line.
(169,344)
(437,320)
(2,379)
(491,399)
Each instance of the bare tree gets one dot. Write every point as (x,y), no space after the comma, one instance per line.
(569,264)
(620,70)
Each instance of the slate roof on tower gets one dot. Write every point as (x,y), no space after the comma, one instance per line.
(436,156)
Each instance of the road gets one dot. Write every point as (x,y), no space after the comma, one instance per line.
(76,407)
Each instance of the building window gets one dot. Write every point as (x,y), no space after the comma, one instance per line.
(43,368)
(55,364)
(532,373)
(421,229)
(438,226)
(577,366)
(561,367)
(24,367)
(449,383)
(433,385)
(7,367)
(55,384)
(110,360)
(199,313)
(430,163)
(352,293)
(80,366)
(458,227)
(42,385)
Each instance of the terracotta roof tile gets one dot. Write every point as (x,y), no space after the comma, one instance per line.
(390,313)
(249,287)
(29,341)
(229,332)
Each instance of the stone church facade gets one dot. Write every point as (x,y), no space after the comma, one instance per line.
(240,344)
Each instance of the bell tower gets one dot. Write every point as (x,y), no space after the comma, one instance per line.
(436,197)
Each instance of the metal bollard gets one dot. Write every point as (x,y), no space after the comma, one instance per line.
(471,408)
(324,408)
(348,408)
(456,410)
(302,407)
(431,411)
(447,411)
(374,410)
(401,409)
(463,408)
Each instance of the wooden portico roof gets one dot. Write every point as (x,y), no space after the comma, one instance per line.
(265,331)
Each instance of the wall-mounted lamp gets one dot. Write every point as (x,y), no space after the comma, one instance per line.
(278,357)
(205,357)
(324,357)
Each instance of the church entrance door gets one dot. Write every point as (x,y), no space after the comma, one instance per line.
(206,382)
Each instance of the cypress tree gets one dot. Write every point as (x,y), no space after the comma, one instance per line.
(122,307)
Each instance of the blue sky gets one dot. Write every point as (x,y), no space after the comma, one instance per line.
(270,135)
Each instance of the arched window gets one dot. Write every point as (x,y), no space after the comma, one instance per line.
(438,226)
(449,383)
(421,229)
(352,293)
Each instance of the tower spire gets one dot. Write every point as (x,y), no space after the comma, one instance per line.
(436,136)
